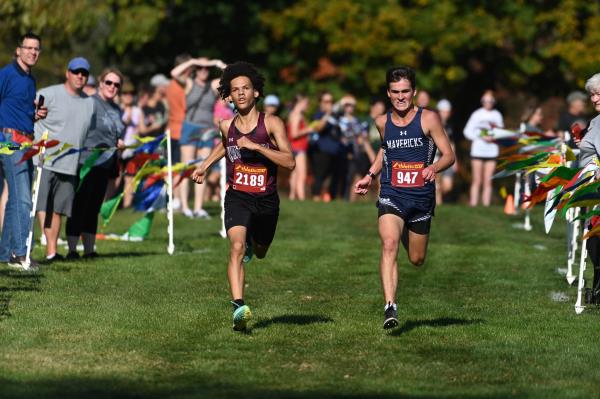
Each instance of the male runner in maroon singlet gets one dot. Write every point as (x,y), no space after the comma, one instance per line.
(409,137)
(255,145)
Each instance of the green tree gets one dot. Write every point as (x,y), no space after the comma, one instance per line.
(456,46)
(102,31)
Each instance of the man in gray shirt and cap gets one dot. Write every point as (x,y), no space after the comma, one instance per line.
(68,123)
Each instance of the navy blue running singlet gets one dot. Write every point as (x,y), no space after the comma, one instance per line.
(406,152)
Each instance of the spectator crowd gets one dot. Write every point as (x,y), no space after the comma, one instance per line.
(332,143)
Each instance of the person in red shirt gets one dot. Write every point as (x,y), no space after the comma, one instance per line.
(175,96)
(298,131)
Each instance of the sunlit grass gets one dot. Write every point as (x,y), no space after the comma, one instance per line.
(476,321)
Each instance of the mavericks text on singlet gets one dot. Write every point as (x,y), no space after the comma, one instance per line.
(406,152)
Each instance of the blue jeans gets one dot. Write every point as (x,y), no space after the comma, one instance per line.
(16,215)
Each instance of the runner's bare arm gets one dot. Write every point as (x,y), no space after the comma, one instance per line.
(217,153)
(283,155)
(432,125)
(362,186)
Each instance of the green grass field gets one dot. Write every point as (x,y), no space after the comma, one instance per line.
(476,321)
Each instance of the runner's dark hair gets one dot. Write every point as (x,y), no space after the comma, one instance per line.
(396,74)
(236,70)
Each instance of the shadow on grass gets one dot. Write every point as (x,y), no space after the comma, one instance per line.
(299,320)
(106,255)
(12,281)
(194,386)
(410,325)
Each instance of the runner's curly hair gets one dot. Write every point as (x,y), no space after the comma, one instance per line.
(236,70)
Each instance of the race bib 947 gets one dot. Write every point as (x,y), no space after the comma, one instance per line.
(251,179)
(407,174)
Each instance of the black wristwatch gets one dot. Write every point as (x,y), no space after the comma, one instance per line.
(371,174)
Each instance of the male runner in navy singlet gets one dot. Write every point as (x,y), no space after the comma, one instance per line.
(254,145)
(406,201)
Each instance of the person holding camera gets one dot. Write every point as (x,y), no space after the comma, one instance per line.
(18,111)
(327,149)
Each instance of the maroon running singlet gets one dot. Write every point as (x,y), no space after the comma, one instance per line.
(249,171)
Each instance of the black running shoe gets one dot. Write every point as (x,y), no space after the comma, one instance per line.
(73,255)
(390,319)
(56,258)
(20,263)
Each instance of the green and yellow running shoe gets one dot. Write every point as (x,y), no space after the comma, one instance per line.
(249,253)
(241,315)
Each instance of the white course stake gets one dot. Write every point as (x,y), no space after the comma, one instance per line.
(581,285)
(223,182)
(171,245)
(527,192)
(572,232)
(34,198)
(517,193)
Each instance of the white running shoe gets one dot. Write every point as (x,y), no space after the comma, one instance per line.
(43,241)
(201,214)
(188,213)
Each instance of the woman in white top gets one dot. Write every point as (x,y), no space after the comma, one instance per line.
(483,150)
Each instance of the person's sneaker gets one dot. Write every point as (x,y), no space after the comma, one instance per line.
(176,204)
(188,213)
(19,263)
(241,315)
(390,319)
(201,214)
(91,255)
(55,258)
(43,241)
(248,254)
(73,256)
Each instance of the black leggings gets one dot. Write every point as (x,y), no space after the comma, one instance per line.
(593,247)
(87,203)
(334,166)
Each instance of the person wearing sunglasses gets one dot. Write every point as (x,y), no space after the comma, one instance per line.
(106,131)
(70,116)
(18,112)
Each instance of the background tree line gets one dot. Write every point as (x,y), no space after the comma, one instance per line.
(522,49)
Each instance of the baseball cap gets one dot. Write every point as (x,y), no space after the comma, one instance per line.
(78,63)
(272,99)
(159,80)
(444,105)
